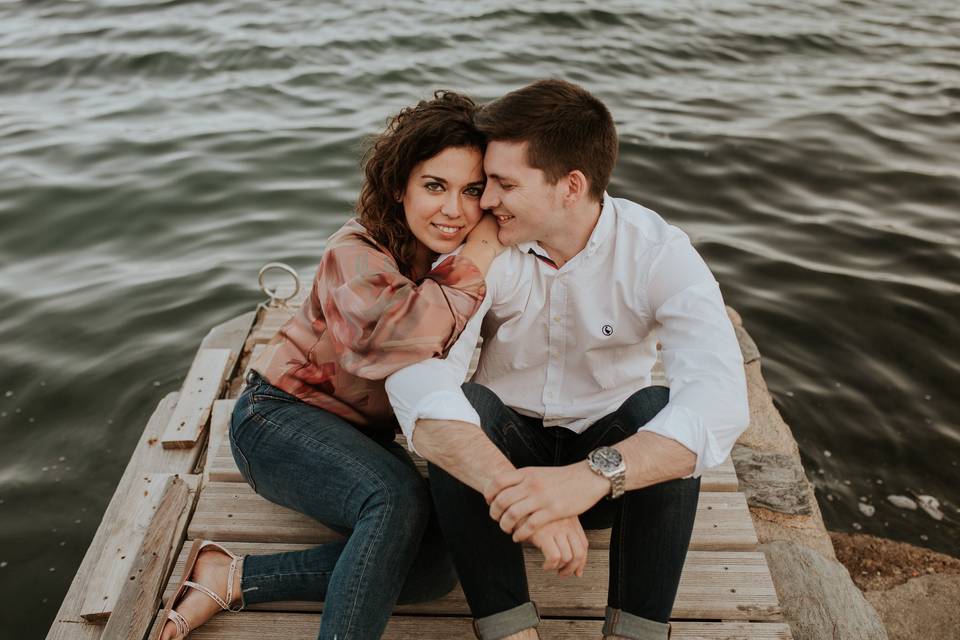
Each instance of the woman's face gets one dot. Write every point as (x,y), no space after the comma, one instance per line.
(442,198)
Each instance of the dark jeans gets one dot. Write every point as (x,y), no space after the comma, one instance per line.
(312,461)
(651,526)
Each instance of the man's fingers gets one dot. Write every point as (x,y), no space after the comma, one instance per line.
(551,554)
(566,554)
(515,514)
(505,500)
(500,482)
(529,526)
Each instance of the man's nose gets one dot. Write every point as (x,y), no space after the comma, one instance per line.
(489,200)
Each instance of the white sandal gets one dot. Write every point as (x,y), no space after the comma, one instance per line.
(183,628)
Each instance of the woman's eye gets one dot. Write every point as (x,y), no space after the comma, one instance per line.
(474,192)
(433,186)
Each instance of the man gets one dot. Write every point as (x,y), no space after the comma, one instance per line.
(562,394)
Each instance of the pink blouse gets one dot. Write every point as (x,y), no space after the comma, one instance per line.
(364,320)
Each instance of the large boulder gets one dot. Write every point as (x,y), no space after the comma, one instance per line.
(924,607)
(818,598)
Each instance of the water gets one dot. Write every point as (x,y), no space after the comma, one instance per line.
(153,155)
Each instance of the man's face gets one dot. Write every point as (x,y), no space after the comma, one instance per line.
(518,195)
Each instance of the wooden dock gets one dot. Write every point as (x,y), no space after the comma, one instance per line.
(182,484)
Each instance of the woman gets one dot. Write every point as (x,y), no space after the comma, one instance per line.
(314,431)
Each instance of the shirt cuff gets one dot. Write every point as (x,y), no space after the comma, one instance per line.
(686,427)
(438,405)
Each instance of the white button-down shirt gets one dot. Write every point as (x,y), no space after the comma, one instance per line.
(570,345)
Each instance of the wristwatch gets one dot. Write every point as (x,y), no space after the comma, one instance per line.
(607,462)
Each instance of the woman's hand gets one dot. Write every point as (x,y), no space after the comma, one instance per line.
(482,245)
(486,233)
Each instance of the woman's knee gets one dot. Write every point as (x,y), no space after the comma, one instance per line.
(404,500)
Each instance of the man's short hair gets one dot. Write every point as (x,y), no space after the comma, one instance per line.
(565,126)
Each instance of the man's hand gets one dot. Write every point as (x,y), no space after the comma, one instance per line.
(564,546)
(525,500)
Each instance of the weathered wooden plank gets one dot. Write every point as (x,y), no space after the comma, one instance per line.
(201,387)
(219,426)
(304,626)
(223,468)
(125,538)
(132,615)
(148,456)
(231,335)
(233,511)
(714,585)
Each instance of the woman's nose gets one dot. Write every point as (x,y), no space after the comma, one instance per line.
(451,206)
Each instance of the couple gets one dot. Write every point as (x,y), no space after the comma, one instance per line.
(488,221)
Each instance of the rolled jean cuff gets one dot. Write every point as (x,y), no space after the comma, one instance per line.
(626,625)
(500,625)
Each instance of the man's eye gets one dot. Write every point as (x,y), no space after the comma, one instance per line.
(474,192)
(433,186)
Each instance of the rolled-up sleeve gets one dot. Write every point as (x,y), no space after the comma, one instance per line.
(708,407)
(430,390)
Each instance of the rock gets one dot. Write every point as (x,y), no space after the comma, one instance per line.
(818,598)
(773,481)
(902,502)
(767,430)
(931,506)
(924,607)
(747,346)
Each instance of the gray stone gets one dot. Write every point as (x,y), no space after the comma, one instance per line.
(773,481)
(818,597)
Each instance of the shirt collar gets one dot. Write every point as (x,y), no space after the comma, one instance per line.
(604,227)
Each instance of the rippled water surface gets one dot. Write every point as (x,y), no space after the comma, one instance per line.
(154,155)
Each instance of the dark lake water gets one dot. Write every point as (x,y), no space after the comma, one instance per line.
(153,155)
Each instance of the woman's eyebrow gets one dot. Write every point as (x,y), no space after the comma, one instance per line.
(437,178)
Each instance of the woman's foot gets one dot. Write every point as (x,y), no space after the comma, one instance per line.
(212,569)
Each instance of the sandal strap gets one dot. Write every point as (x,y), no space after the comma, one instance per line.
(213,595)
(231,575)
(179,622)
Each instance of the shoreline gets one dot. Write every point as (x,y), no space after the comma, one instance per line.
(832,584)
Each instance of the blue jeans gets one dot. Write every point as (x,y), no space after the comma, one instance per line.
(314,462)
(648,544)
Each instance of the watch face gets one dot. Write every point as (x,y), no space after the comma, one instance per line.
(606,458)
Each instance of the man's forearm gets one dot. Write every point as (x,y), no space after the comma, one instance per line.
(461,449)
(652,459)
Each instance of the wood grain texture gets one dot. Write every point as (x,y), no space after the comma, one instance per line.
(219,427)
(145,579)
(148,456)
(714,585)
(301,626)
(201,387)
(232,511)
(223,468)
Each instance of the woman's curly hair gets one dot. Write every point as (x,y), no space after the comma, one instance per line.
(415,134)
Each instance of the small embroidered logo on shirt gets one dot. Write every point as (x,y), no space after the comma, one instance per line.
(607,330)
